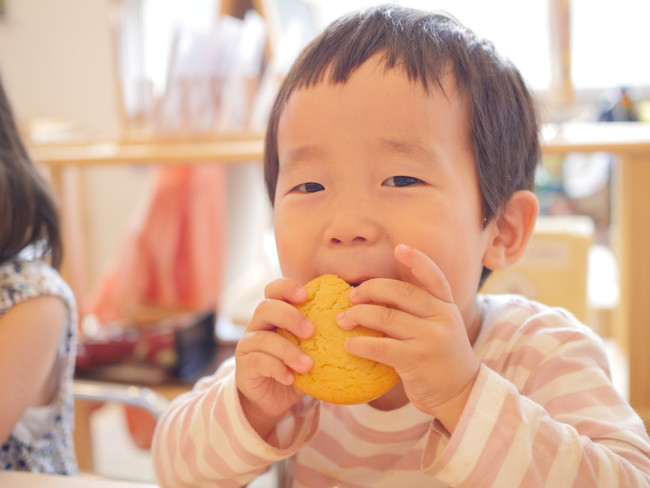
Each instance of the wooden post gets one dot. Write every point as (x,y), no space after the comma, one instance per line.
(632,226)
(561,95)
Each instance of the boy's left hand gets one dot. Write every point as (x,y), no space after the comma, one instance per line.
(427,341)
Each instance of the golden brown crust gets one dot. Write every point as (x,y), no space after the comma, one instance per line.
(337,376)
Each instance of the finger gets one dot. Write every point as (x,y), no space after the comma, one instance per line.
(391,321)
(380,349)
(396,294)
(264,366)
(277,347)
(425,271)
(286,290)
(271,314)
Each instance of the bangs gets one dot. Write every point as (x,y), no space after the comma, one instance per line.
(417,46)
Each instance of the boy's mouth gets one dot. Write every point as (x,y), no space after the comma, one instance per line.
(357,281)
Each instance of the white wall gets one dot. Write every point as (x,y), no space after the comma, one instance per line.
(57,62)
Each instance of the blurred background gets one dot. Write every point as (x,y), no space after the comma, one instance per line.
(128,105)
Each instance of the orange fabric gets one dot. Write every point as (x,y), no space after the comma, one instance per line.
(141,425)
(172,255)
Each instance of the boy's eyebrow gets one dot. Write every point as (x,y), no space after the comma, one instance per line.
(302,153)
(409,147)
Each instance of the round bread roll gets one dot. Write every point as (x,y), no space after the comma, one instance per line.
(337,376)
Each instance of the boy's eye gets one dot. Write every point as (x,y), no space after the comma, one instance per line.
(309,187)
(402,181)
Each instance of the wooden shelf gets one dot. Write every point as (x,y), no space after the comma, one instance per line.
(155,152)
(615,137)
(621,138)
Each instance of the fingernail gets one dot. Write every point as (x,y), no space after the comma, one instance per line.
(341,319)
(300,295)
(305,362)
(403,248)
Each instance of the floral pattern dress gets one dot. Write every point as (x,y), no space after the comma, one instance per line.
(42,440)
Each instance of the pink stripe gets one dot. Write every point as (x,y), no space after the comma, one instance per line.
(433,458)
(595,459)
(527,356)
(499,444)
(586,471)
(545,445)
(503,332)
(370,435)
(632,460)
(214,411)
(597,429)
(556,367)
(431,450)
(627,473)
(575,401)
(220,414)
(331,449)
(305,476)
(165,457)
(174,445)
(181,446)
(506,331)
(186,447)
(311,478)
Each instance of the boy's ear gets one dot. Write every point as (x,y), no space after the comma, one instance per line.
(511,230)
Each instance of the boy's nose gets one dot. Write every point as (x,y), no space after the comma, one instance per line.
(348,239)
(352,223)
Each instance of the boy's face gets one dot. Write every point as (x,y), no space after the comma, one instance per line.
(372,163)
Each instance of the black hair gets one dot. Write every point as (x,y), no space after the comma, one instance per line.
(28,213)
(502,114)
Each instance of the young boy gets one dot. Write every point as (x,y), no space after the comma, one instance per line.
(400,155)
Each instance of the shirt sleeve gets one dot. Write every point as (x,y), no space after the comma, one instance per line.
(204,439)
(566,426)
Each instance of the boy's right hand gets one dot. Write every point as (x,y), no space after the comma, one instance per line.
(266,361)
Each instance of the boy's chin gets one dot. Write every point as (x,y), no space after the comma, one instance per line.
(392,399)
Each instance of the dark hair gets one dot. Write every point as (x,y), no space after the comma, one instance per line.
(28,214)
(425,45)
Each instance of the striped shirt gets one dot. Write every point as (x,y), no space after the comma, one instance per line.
(542,413)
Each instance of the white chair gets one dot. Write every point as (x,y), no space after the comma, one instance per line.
(137,396)
(88,394)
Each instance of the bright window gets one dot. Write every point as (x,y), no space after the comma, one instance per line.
(609,39)
(611,43)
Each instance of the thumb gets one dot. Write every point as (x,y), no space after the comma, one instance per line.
(425,271)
